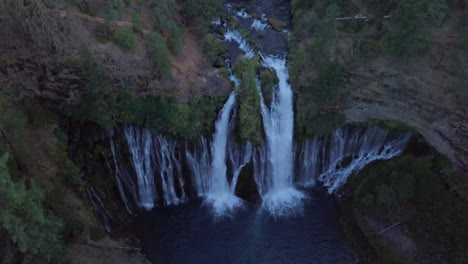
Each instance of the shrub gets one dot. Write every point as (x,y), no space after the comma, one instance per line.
(34,230)
(154,113)
(327,86)
(310,125)
(126,39)
(174,40)
(98,104)
(407,34)
(196,117)
(136,21)
(268,80)
(159,55)
(105,32)
(381,7)
(215,50)
(201,12)
(249,125)
(276,24)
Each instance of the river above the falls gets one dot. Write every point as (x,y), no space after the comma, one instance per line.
(188,234)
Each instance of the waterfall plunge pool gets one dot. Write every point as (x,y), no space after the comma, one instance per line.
(188,234)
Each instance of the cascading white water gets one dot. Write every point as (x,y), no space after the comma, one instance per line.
(234,35)
(199,161)
(139,145)
(219,195)
(169,169)
(275,176)
(239,157)
(151,157)
(157,167)
(361,146)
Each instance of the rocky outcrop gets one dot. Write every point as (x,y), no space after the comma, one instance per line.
(46,80)
(420,99)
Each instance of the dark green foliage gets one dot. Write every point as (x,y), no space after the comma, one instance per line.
(381,7)
(163,14)
(72,225)
(105,32)
(154,113)
(215,50)
(298,58)
(325,29)
(407,33)
(166,23)
(60,156)
(309,124)
(34,230)
(13,123)
(174,40)
(268,80)
(126,39)
(96,83)
(200,13)
(300,6)
(136,21)
(249,123)
(327,86)
(159,55)
(196,117)
(98,105)
(409,190)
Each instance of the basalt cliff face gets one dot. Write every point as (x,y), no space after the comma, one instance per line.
(420,99)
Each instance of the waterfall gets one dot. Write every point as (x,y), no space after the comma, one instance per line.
(219,196)
(239,157)
(139,144)
(274,175)
(234,35)
(153,170)
(154,161)
(199,161)
(325,159)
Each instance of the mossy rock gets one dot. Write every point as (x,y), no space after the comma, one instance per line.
(277,24)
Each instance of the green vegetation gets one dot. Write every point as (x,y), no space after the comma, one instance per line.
(174,41)
(214,49)
(200,13)
(163,15)
(309,124)
(159,55)
(276,24)
(408,190)
(249,124)
(151,112)
(196,117)
(328,83)
(407,33)
(268,79)
(381,8)
(105,31)
(108,108)
(166,23)
(126,39)
(98,102)
(136,21)
(33,230)
(13,123)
